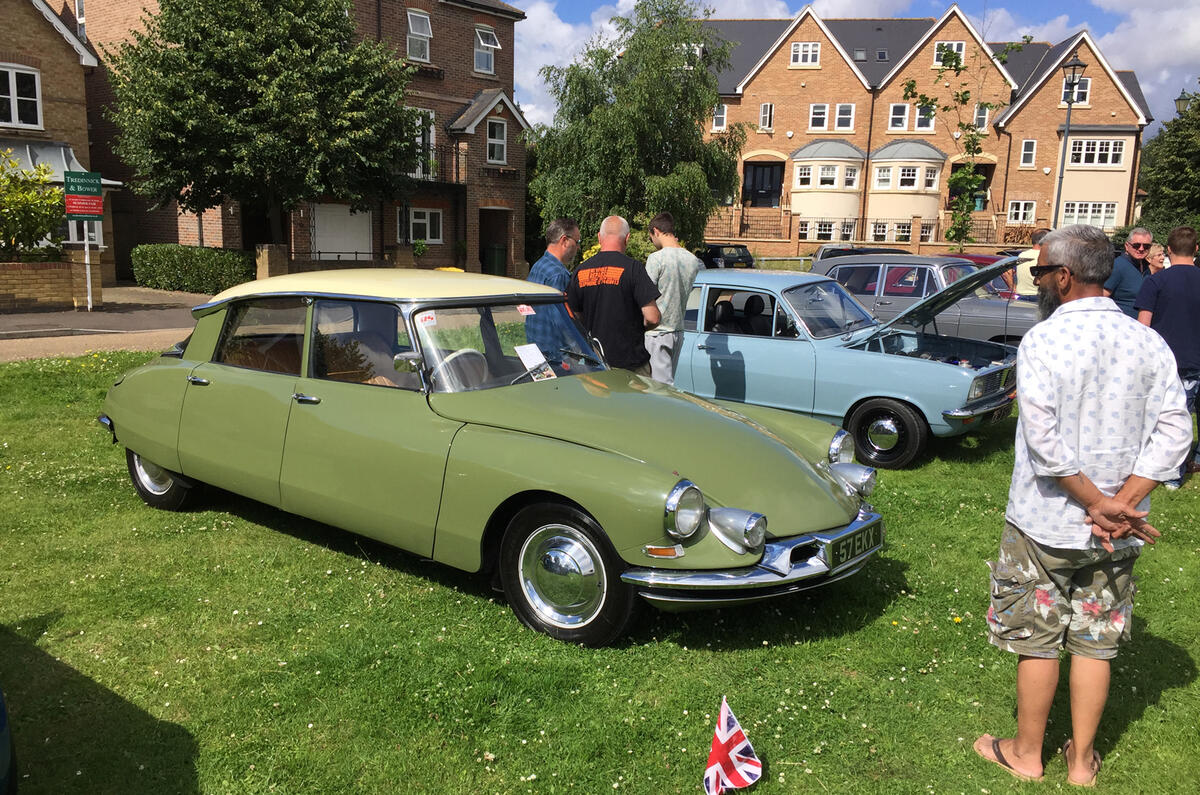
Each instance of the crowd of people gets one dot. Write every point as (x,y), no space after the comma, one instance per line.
(1106,390)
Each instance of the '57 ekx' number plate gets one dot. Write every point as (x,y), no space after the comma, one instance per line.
(854,545)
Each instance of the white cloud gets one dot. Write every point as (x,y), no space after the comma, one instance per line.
(852,9)
(999,24)
(1162,69)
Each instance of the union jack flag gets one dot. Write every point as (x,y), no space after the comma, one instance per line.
(732,763)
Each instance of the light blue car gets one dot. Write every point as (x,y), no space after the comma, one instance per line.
(800,341)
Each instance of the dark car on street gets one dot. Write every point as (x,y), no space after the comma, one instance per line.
(829,251)
(721,255)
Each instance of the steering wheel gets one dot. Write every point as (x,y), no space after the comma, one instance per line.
(469,369)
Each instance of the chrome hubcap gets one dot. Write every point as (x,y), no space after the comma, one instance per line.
(562,576)
(153,478)
(883,434)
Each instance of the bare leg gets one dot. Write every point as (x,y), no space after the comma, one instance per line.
(1089,693)
(1037,679)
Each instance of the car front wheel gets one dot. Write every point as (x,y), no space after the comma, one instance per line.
(158,487)
(888,434)
(561,577)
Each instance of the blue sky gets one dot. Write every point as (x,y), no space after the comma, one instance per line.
(1158,39)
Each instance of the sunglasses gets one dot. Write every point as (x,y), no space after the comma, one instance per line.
(1038,271)
(1139,246)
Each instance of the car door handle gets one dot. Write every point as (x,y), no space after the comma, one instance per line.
(883,303)
(704,347)
(198,381)
(300,397)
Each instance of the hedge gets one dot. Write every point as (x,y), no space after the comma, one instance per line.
(169,266)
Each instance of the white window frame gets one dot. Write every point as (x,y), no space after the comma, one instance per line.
(892,116)
(850,177)
(903,232)
(766,116)
(860,54)
(986,111)
(425,138)
(802,230)
(804,176)
(837,124)
(806,54)
(501,141)
(1022,212)
(95,232)
(1097,152)
(879,231)
(9,71)
(482,47)
(719,113)
(1029,153)
(827,172)
(427,214)
(847,229)
(923,118)
(1105,213)
(80,25)
(939,47)
(1083,88)
(931,177)
(881,56)
(415,18)
(909,173)
(813,116)
(824,230)
(883,177)
(926,231)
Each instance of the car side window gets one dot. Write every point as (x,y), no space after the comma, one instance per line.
(692,311)
(739,312)
(858,279)
(264,334)
(357,341)
(905,281)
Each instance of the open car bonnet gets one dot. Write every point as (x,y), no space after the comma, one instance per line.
(923,313)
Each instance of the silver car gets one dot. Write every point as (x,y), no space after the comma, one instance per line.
(888,284)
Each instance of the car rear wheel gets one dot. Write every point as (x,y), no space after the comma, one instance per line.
(158,487)
(561,577)
(887,433)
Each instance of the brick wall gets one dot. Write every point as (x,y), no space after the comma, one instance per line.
(46,286)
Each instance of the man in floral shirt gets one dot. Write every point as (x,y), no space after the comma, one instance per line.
(1102,422)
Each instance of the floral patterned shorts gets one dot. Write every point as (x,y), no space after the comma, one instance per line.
(1045,599)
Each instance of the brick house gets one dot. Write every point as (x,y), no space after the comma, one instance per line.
(835,152)
(43,109)
(468,203)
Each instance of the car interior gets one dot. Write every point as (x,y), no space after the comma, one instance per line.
(741,312)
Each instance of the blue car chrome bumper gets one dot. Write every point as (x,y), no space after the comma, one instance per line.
(788,565)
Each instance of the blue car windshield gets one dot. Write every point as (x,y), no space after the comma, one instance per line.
(826,309)
(498,345)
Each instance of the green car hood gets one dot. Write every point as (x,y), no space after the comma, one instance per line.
(736,462)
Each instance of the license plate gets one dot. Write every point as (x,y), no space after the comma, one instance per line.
(855,544)
(999,414)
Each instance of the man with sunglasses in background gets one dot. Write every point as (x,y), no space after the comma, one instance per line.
(1129,270)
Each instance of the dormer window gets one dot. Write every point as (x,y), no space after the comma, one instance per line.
(486,45)
(419,34)
(20,96)
(881,55)
(860,53)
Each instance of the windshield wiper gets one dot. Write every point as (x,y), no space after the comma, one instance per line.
(581,356)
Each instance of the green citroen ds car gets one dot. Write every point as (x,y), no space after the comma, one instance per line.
(471,420)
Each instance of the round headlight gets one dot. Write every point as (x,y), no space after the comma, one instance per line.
(742,531)
(756,531)
(684,510)
(841,449)
(858,478)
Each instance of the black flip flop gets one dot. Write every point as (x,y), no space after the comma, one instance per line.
(1004,764)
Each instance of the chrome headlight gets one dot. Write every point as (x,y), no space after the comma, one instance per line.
(741,531)
(841,449)
(858,479)
(684,511)
(976,390)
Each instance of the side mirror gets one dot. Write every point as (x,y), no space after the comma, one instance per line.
(408,362)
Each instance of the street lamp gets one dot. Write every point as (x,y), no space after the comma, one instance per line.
(1072,71)
(1183,101)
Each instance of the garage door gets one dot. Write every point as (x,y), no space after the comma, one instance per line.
(339,234)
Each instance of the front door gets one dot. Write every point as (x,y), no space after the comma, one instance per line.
(764,184)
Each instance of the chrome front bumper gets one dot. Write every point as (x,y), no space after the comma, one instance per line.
(788,565)
(996,404)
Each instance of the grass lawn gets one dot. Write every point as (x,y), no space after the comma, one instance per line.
(236,648)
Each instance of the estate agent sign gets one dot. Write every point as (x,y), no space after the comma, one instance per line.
(85,202)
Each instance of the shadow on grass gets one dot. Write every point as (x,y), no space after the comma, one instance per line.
(75,735)
(975,447)
(837,609)
(1145,668)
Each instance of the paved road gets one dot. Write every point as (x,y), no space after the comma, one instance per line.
(132,318)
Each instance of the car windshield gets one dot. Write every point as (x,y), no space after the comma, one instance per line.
(826,309)
(484,347)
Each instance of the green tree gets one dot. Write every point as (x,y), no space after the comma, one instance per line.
(266,102)
(629,133)
(31,209)
(1170,168)
(966,81)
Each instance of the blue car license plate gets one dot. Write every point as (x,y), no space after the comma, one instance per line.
(855,545)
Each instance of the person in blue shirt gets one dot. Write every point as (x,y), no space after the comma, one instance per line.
(562,246)
(1129,270)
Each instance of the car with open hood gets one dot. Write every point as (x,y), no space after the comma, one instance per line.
(470,420)
(888,285)
(803,342)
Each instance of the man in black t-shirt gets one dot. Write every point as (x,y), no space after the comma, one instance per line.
(1169,303)
(614,298)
